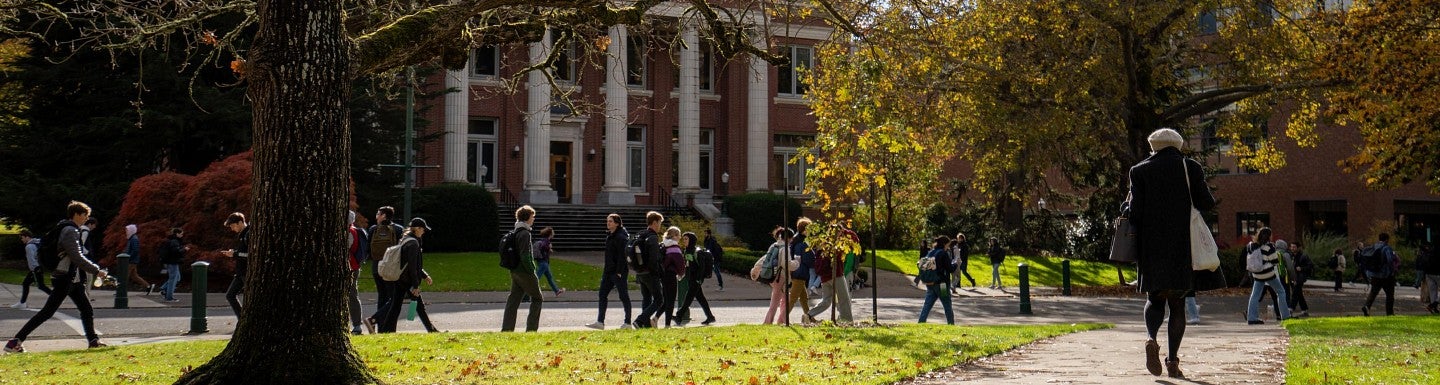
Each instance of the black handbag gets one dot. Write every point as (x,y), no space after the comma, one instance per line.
(1123,244)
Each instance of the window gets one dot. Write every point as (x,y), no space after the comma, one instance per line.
(707,151)
(485,62)
(1249,223)
(792,82)
(635,156)
(783,173)
(635,62)
(707,73)
(481,154)
(564,68)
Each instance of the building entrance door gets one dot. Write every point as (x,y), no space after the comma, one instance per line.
(560,174)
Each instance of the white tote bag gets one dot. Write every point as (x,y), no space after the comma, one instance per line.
(1204,254)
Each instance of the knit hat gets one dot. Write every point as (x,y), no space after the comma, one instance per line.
(1166,137)
(352,218)
(131,230)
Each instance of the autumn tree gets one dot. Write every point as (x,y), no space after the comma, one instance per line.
(297,59)
(1027,89)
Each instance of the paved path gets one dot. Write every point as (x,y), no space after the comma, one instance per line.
(1221,350)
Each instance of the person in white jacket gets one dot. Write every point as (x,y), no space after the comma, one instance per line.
(1265,274)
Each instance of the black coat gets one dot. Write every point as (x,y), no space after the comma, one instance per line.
(1160,209)
(615,251)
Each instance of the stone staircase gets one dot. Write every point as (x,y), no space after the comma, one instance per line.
(582,227)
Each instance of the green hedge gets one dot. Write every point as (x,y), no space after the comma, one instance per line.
(740,261)
(756,214)
(462,216)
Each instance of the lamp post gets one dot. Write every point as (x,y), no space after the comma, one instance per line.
(484,171)
(874,286)
(725,183)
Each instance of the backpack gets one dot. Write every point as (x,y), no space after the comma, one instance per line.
(770,265)
(383,237)
(1334,262)
(1373,259)
(636,252)
(49,249)
(510,249)
(391,265)
(704,264)
(1254,260)
(929,275)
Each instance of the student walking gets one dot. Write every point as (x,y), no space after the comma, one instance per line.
(718,253)
(1163,189)
(241,253)
(937,262)
(1261,259)
(70,276)
(960,252)
(801,264)
(1382,275)
(645,259)
(542,259)
(32,252)
(523,281)
(694,276)
(412,264)
(673,267)
(172,253)
(1337,265)
(132,248)
(383,234)
(1431,271)
(1300,267)
(357,249)
(767,270)
(614,274)
(997,258)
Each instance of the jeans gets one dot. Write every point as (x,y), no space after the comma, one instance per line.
(354,291)
(391,316)
(1297,297)
(1192,310)
(941,292)
(1386,284)
(995,275)
(522,283)
(650,289)
(173,272)
(64,288)
(834,293)
(34,276)
(719,278)
(237,288)
(613,282)
(542,269)
(1253,310)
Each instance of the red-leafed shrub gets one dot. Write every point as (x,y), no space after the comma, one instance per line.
(198,204)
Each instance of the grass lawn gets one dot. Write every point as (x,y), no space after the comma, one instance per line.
(1044,271)
(746,354)
(1364,350)
(454,272)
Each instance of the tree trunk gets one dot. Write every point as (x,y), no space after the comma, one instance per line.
(293,330)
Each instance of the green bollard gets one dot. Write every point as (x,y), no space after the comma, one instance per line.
(1025,289)
(122,288)
(1065,277)
(199,278)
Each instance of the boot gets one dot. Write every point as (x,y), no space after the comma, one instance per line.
(1172,366)
(1152,357)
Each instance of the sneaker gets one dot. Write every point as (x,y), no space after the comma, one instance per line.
(150,289)
(19,305)
(14,346)
(1257,322)
(1365,310)
(562,291)
(596,325)
(173,300)
(1304,313)
(1193,321)
(370,325)
(95,343)
(356,332)
(627,327)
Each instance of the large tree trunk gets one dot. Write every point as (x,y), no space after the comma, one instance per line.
(293,330)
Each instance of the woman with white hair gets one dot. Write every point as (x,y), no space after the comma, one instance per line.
(132,248)
(1163,189)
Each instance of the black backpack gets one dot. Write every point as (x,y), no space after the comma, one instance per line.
(1373,259)
(49,249)
(635,250)
(704,264)
(510,249)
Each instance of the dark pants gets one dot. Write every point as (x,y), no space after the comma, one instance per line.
(650,290)
(1156,304)
(719,278)
(613,282)
(383,292)
(1297,296)
(1339,278)
(63,289)
(36,277)
(1386,284)
(694,295)
(391,315)
(237,287)
(420,312)
(523,282)
(669,287)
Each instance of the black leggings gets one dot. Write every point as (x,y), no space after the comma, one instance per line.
(1156,303)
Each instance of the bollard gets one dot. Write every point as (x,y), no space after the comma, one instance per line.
(122,289)
(1025,289)
(1065,277)
(199,278)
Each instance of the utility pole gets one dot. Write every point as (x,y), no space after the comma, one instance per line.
(408,165)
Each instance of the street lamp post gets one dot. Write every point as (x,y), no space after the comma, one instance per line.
(874,279)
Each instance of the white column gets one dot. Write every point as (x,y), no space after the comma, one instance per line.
(689,113)
(537,131)
(457,124)
(757,138)
(616,190)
